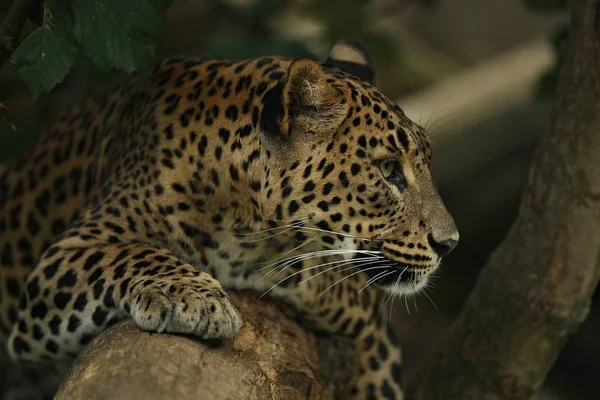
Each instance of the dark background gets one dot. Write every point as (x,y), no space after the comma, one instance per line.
(478,74)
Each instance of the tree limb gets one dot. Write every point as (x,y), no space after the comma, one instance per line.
(537,287)
(271,358)
(11,27)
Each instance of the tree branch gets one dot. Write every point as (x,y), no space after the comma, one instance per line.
(11,27)
(272,357)
(537,287)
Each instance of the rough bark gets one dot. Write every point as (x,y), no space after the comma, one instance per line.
(537,287)
(271,358)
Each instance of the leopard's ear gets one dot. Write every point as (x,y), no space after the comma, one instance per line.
(351,57)
(310,103)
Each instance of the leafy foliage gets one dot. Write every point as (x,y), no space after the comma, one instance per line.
(113,34)
(117,34)
(45,57)
(121,35)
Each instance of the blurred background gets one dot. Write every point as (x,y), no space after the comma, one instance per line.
(479,75)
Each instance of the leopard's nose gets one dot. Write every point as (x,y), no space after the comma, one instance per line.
(442,247)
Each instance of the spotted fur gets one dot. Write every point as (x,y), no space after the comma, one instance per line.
(146,200)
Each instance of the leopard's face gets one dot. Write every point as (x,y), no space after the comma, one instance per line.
(353,175)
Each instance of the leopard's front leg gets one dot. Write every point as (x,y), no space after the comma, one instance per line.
(76,292)
(337,303)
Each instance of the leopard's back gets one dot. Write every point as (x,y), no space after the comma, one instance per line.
(44,191)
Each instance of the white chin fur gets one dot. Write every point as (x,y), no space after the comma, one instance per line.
(404,289)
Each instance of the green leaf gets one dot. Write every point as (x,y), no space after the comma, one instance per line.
(118,34)
(45,57)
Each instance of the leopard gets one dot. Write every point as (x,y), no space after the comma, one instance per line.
(152,199)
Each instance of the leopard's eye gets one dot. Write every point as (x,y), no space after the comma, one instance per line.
(392,172)
(387,168)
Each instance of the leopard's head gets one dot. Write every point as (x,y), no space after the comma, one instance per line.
(349,171)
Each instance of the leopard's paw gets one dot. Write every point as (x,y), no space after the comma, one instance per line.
(195,305)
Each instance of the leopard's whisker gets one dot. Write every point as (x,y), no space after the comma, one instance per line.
(436,110)
(308,228)
(377,259)
(239,234)
(337,264)
(293,224)
(283,254)
(368,257)
(430,300)
(304,270)
(268,237)
(305,218)
(354,261)
(406,304)
(320,265)
(447,120)
(413,296)
(375,278)
(352,274)
(383,303)
(298,225)
(323,253)
(316,253)
(283,264)
(396,284)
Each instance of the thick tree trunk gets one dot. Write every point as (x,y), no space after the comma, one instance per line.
(271,358)
(536,289)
